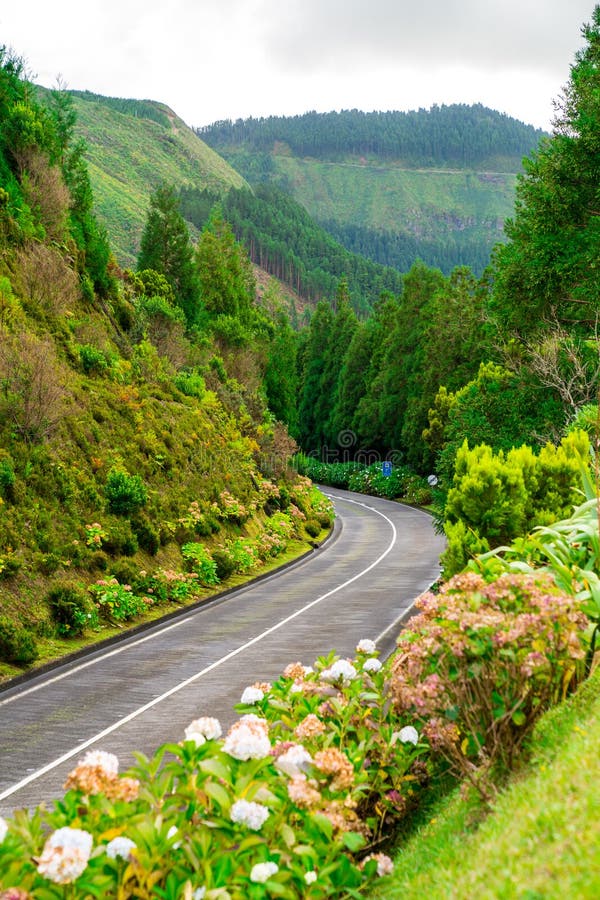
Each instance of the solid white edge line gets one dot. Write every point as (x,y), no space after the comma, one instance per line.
(178,687)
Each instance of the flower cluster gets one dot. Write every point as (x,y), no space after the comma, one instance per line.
(248,738)
(98,773)
(65,855)
(203,729)
(482,661)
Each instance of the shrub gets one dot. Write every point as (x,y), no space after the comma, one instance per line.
(125,493)
(191,384)
(98,561)
(116,602)
(93,360)
(17,645)
(147,535)
(482,661)
(224,562)
(71,609)
(121,541)
(499,496)
(125,571)
(9,565)
(201,562)
(313,527)
(7,478)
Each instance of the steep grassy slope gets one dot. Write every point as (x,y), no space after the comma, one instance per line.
(541,838)
(129,154)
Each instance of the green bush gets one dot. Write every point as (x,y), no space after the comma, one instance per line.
(9,565)
(201,562)
(121,541)
(125,571)
(313,527)
(125,493)
(17,645)
(191,384)
(93,361)
(224,562)
(499,496)
(147,535)
(116,602)
(71,609)
(7,478)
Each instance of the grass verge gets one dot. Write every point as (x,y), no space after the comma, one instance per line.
(53,649)
(541,839)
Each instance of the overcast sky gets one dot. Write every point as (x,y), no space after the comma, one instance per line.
(219,59)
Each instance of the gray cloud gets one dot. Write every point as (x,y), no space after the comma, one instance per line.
(327,34)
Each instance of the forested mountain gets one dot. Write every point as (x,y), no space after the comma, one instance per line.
(131,148)
(435,184)
(458,135)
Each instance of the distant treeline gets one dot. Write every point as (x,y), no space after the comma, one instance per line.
(455,135)
(283,239)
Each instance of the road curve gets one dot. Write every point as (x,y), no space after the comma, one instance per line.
(145,690)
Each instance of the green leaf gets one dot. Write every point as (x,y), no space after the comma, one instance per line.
(519,717)
(218,793)
(353,841)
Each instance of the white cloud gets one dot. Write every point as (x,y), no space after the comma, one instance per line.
(213,59)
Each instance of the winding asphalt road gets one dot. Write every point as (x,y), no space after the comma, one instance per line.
(145,690)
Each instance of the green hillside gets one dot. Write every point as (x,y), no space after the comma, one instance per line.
(434,184)
(133,146)
(140,466)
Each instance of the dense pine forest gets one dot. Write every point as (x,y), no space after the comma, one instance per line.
(455,135)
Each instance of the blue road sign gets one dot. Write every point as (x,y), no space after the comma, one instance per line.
(386,468)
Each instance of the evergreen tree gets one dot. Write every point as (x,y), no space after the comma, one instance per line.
(310,429)
(455,339)
(342,330)
(227,283)
(281,373)
(166,248)
(547,272)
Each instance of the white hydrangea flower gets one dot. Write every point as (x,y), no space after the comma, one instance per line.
(171,833)
(252,695)
(3,829)
(120,847)
(342,670)
(310,877)
(294,761)
(261,872)
(296,688)
(204,729)
(253,815)
(248,738)
(65,855)
(408,735)
(372,665)
(108,762)
(366,645)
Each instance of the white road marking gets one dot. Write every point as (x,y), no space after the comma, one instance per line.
(178,687)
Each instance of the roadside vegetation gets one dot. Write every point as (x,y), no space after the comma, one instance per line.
(148,421)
